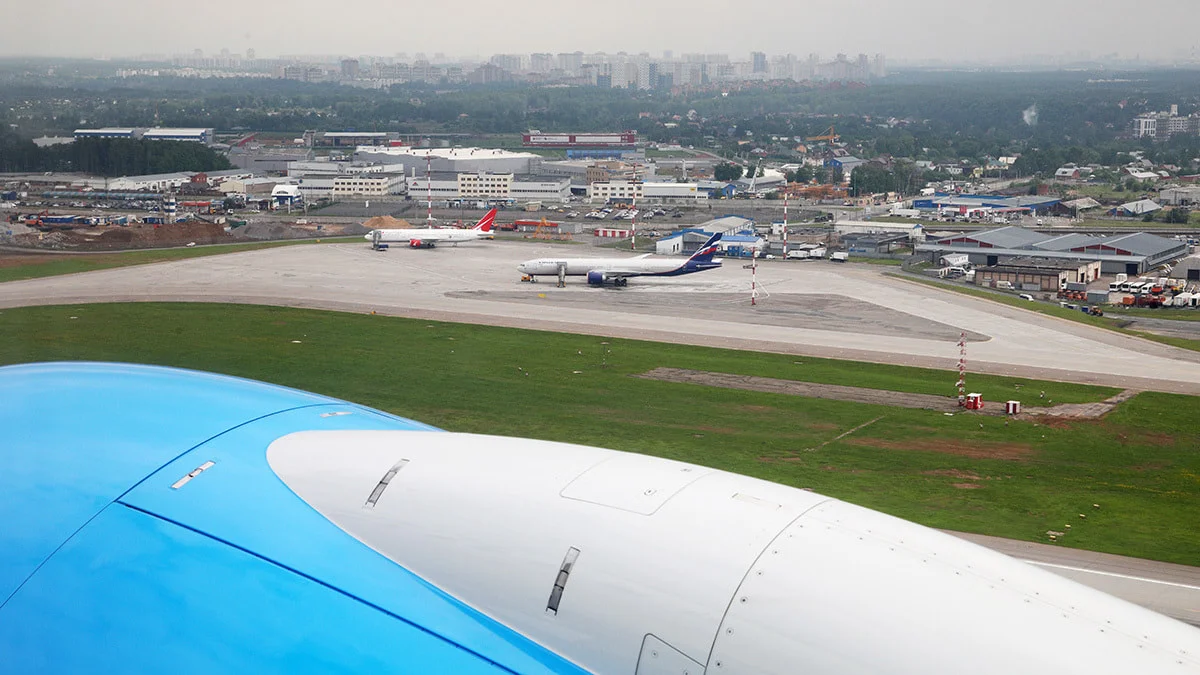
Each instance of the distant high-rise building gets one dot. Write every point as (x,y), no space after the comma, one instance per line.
(541,63)
(571,62)
(349,69)
(668,55)
(759,60)
(880,66)
(250,54)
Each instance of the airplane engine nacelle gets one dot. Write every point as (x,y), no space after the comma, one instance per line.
(419,243)
(596,278)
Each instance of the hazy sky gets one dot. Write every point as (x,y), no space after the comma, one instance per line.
(955,31)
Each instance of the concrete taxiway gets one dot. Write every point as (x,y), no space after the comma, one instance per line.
(814,308)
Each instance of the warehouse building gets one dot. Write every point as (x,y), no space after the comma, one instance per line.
(628,190)
(204,136)
(107,132)
(963,204)
(1187,269)
(341,139)
(868,244)
(1131,254)
(485,186)
(1030,273)
(158,182)
(685,242)
(450,160)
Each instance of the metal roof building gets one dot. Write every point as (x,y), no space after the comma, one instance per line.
(943,201)
(1129,253)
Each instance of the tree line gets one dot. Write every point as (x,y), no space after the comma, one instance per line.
(108,156)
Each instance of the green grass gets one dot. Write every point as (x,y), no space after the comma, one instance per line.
(36,265)
(980,474)
(1169,314)
(894,262)
(1110,321)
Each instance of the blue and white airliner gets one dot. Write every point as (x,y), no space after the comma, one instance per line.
(617,271)
(155,520)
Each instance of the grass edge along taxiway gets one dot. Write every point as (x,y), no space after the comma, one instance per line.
(1124,484)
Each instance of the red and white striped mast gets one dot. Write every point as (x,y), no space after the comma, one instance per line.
(962,369)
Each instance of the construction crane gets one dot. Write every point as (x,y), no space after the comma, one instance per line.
(829,136)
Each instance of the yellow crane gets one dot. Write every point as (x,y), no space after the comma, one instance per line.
(829,136)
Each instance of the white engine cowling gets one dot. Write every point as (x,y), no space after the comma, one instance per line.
(625,563)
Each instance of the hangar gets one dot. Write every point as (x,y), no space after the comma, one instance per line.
(1133,253)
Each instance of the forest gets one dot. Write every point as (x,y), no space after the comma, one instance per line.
(108,156)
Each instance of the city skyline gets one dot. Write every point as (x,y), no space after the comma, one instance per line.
(918,31)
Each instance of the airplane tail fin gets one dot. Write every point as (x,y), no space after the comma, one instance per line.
(485,223)
(706,252)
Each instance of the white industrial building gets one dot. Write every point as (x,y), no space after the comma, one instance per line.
(914,231)
(450,160)
(314,169)
(364,185)
(159,182)
(490,186)
(627,191)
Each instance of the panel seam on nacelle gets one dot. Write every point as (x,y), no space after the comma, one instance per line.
(732,598)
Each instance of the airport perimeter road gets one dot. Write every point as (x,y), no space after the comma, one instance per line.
(1168,589)
(815,308)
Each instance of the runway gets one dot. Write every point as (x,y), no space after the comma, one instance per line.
(814,308)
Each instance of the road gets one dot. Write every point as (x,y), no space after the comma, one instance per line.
(1169,589)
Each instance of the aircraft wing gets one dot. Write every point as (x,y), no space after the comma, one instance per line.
(621,272)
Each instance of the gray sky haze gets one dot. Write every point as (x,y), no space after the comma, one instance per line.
(953,31)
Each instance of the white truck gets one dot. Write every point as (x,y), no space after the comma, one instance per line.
(797,255)
(839,256)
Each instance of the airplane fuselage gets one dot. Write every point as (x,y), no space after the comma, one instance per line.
(629,267)
(426,234)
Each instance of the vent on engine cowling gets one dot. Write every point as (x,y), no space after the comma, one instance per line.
(383,483)
(560,582)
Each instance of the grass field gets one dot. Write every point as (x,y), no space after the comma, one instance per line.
(1110,321)
(1018,479)
(35,265)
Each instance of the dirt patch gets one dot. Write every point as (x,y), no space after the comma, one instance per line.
(974,450)
(953,473)
(838,392)
(822,426)
(966,486)
(757,408)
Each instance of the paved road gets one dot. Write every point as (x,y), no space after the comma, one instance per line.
(1169,589)
(872,317)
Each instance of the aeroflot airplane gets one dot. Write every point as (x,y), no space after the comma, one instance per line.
(617,271)
(427,237)
(155,519)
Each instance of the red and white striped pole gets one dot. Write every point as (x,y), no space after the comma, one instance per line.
(753,277)
(962,369)
(429,190)
(633,220)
